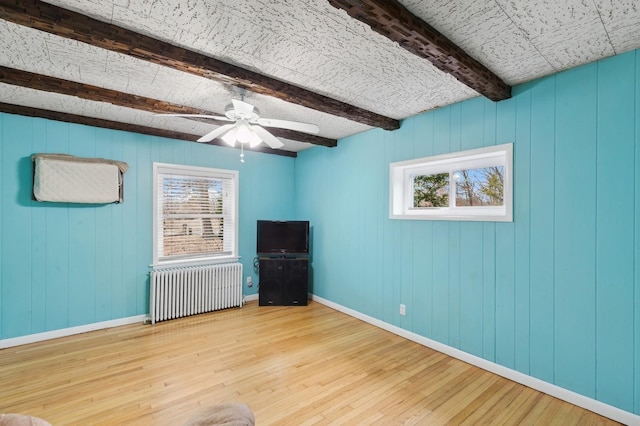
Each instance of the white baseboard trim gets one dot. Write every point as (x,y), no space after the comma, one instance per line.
(587,403)
(251,297)
(54,334)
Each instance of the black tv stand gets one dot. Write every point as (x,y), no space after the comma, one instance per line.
(284,281)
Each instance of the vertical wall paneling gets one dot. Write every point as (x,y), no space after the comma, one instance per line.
(78,264)
(403,241)
(144,201)
(549,294)
(3,130)
(132,280)
(521,209)
(534,295)
(38,234)
(489,250)
(82,225)
(441,303)
(542,229)
(422,285)
(455,145)
(488,291)
(118,236)
(57,240)
(575,202)
(471,274)
(614,220)
(471,248)
(505,262)
(371,223)
(636,251)
(16,230)
(103,244)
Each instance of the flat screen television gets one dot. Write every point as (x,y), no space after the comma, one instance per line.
(289,237)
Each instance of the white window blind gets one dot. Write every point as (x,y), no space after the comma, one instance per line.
(195,214)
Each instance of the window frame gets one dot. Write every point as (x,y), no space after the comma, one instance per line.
(401,185)
(161,169)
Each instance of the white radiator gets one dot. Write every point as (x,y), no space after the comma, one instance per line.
(179,292)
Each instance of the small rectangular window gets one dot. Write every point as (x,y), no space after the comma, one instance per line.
(467,185)
(195,214)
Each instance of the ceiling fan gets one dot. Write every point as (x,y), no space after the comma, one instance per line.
(246,126)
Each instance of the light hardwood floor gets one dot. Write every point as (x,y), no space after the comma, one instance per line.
(292,365)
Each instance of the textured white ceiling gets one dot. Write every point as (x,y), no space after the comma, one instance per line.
(311,44)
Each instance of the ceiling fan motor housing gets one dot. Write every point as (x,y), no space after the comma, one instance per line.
(233,113)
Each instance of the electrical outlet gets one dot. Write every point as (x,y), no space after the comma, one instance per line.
(249,281)
(403,309)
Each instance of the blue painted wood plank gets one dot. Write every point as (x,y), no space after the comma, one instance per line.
(132,282)
(470,242)
(489,291)
(471,291)
(422,300)
(615,217)
(82,225)
(118,238)
(103,244)
(422,297)
(455,145)
(472,126)
(505,268)
(16,227)
(542,227)
(489,249)
(490,112)
(636,260)
(454,284)
(57,240)
(4,120)
(144,222)
(440,306)
(575,218)
(81,264)
(38,242)
(374,224)
(441,282)
(521,207)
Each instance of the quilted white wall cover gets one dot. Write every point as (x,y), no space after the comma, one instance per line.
(68,179)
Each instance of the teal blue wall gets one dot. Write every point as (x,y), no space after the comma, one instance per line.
(65,265)
(556,293)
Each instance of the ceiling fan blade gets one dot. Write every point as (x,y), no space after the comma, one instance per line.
(216,132)
(267,137)
(242,106)
(213,117)
(291,125)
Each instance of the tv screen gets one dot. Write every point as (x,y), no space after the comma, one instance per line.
(283,237)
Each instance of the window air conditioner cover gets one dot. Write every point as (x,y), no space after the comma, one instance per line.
(68,179)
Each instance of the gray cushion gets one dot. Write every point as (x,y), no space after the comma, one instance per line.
(21,420)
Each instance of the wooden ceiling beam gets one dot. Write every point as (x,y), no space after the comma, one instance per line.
(65,23)
(93,93)
(397,23)
(116,125)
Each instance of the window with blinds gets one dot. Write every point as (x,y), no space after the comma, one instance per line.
(195,214)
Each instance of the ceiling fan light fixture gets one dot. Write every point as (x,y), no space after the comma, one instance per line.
(247,127)
(243,135)
(230,137)
(255,140)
